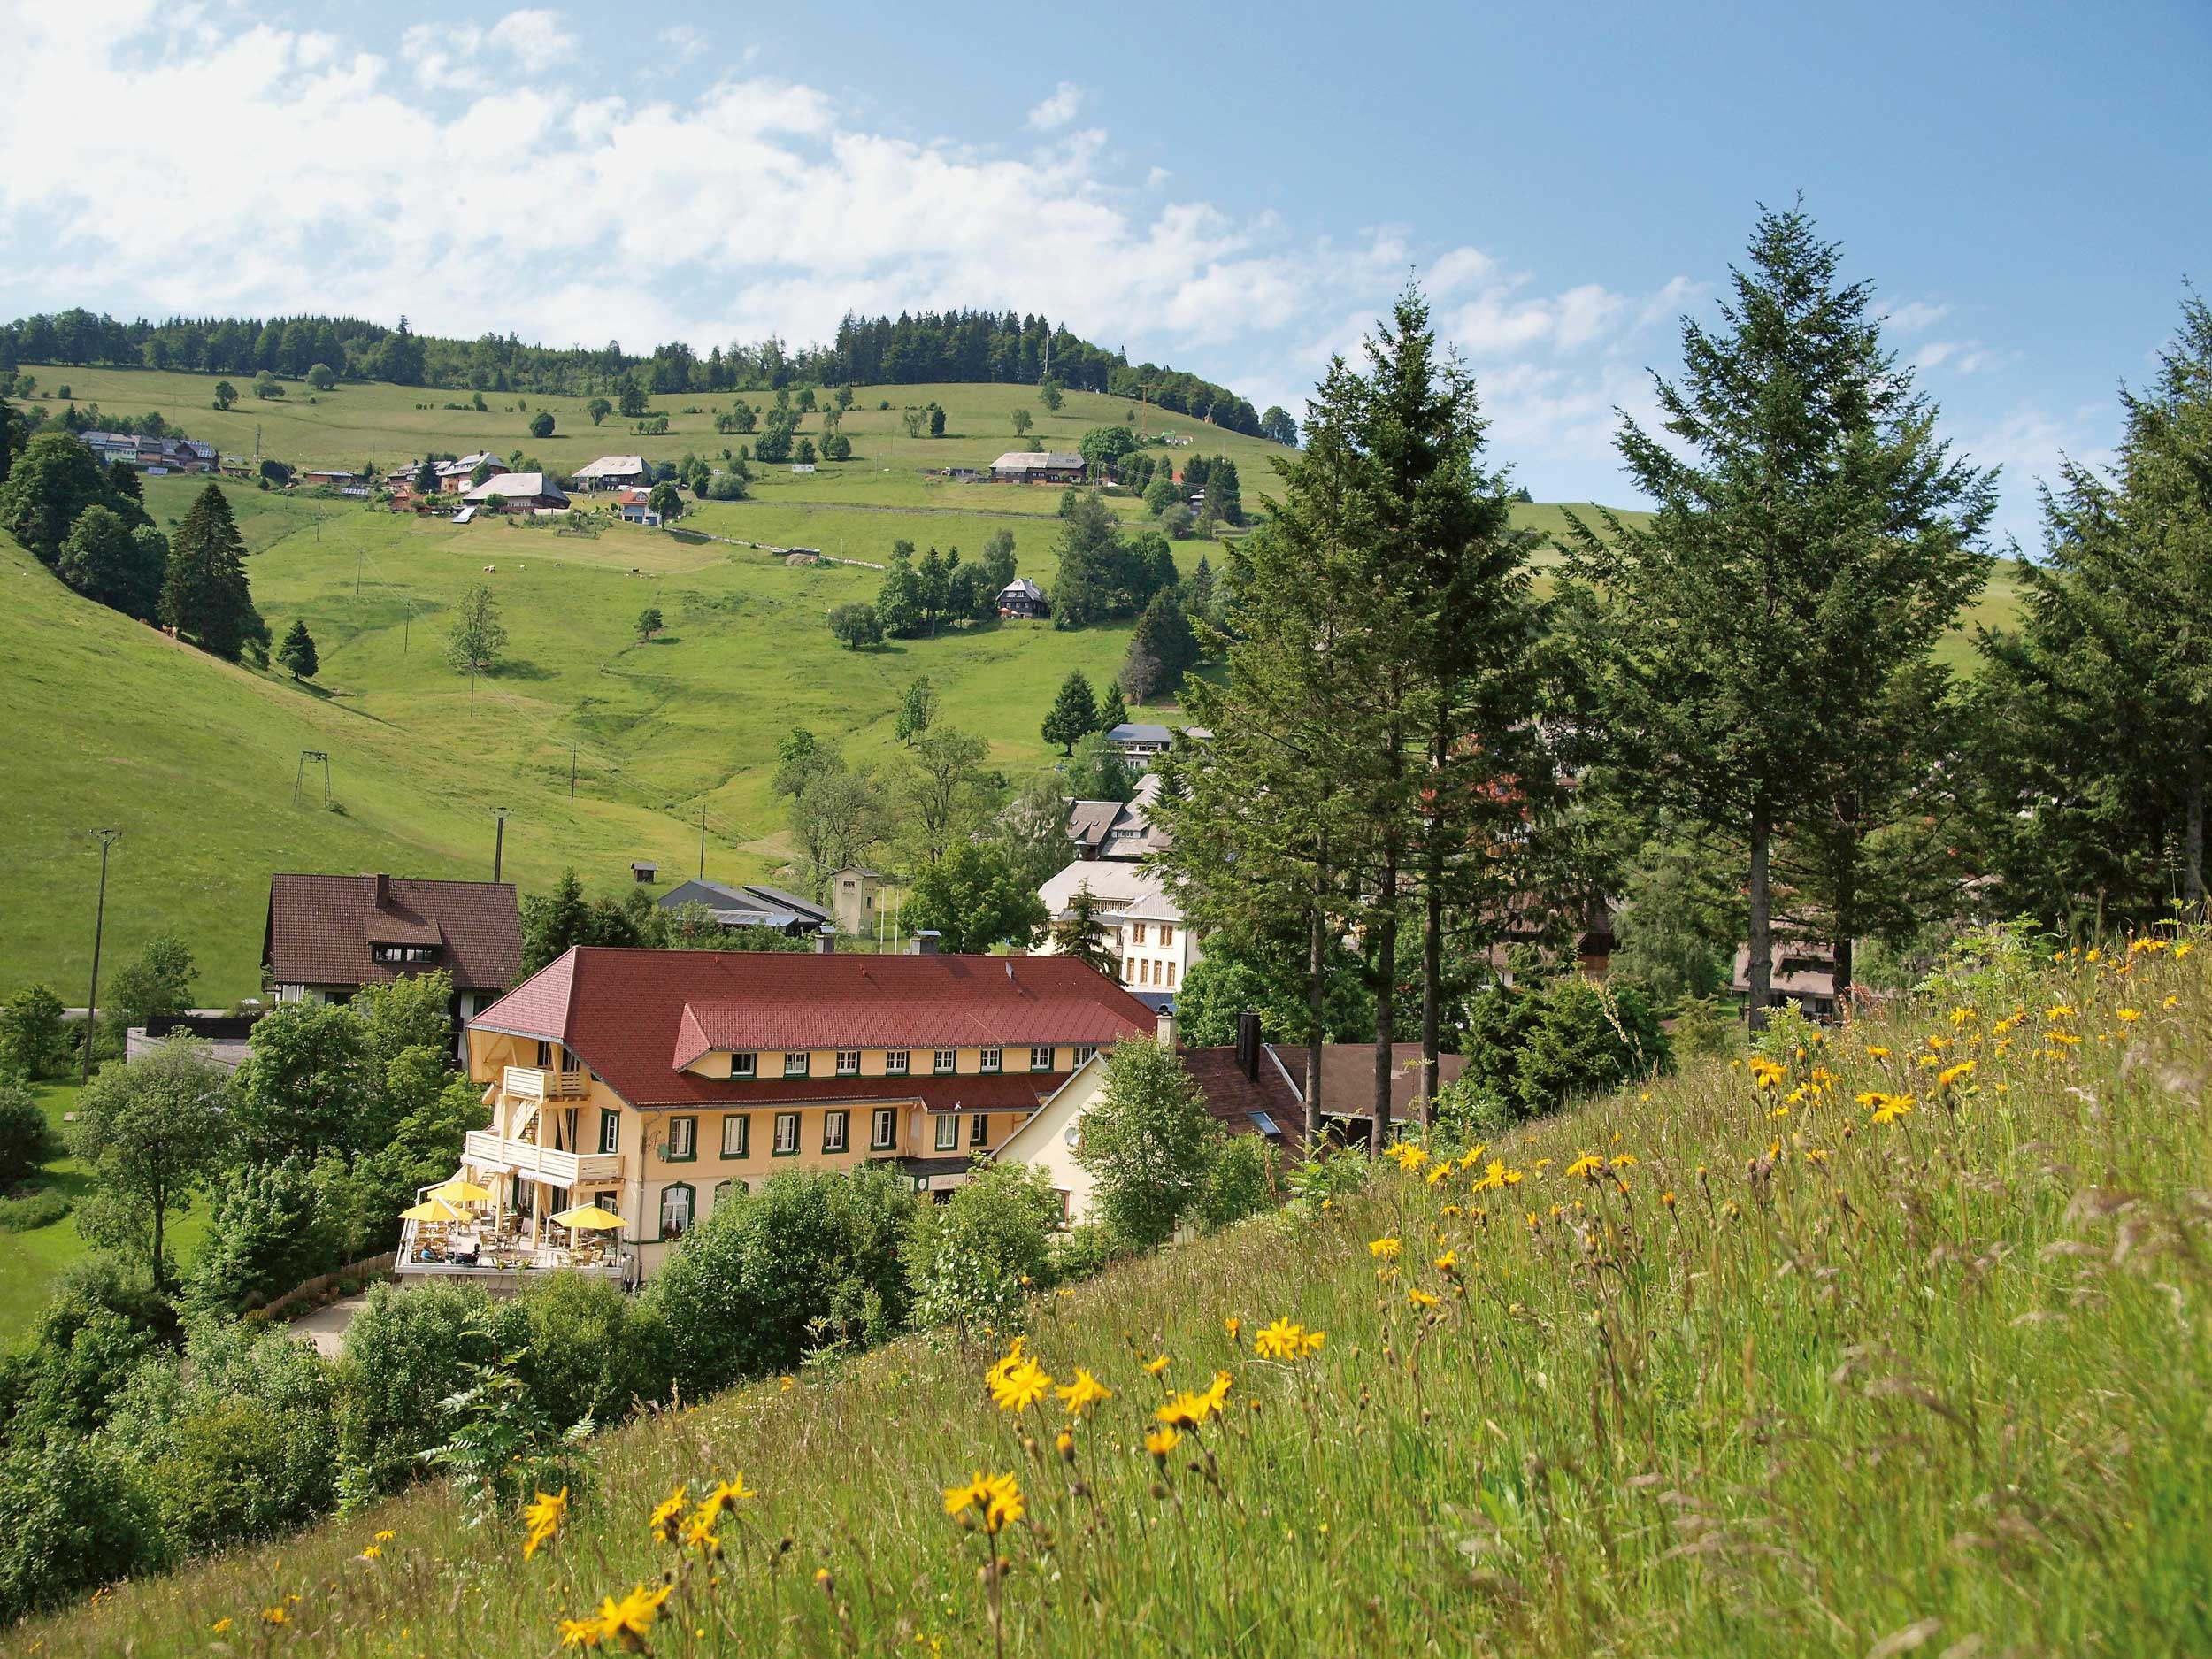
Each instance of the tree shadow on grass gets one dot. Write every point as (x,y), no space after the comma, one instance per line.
(519,668)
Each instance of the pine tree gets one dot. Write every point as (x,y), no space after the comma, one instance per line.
(205,594)
(1082,933)
(2100,712)
(1814,540)
(1200,598)
(1161,650)
(297,653)
(1074,713)
(1114,710)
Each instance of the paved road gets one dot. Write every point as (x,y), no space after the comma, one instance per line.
(326,1327)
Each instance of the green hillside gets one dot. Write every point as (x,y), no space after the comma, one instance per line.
(196,760)
(1896,1346)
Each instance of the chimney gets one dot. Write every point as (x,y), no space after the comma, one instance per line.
(1167,1029)
(383,892)
(924,944)
(825,941)
(1248,1045)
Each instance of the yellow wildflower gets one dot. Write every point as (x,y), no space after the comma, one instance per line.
(1447,1263)
(1893,1108)
(1161,1441)
(1186,1409)
(1875,1051)
(1418,1298)
(1622,1161)
(1408,1156)
(633,1616)
(977,1491)
(543,1517)
(370,1552)
(275,1616)
(668,1516)
(386,1536)
(579,1633)
(220,1626)
(1587,1166)
(1383,1250)
(2131,1015)
(1020,1386)
(2058,1010)
(725,1498)
(699,1534)
(1951,1076)
(1084,1393)
(1153,1367)
(1233,1326)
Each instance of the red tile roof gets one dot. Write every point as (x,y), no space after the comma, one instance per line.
(319,930)
(636,1017)
(1232,1097)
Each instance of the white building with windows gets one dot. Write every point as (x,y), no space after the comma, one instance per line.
(1154,949)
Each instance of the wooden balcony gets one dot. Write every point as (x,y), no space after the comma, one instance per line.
(491,1153)
(531,1082)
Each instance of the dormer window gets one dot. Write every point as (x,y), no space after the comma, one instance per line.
(403,955)
(744,1065)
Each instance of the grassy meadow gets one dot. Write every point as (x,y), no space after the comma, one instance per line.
(196,760)
(1896,1342)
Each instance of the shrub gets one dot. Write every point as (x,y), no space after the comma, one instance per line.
(74,1514)
(1701,1027)
(27,1140)
(1538,1049)
(267,1233)
(1241,1182)
(28,1214)
(1083,1251)
(808,1260)
(586,1354)
(34,1040)
(1470,1115)
(972,1260)
(404,1352)
(1148,1143)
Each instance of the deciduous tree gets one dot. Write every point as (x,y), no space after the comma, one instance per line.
(151,1130)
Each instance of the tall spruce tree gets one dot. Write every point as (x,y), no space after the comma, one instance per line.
(2101,698)
(1754,647)
(205,594)
(1073,714)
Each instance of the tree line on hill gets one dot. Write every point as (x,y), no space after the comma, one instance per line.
(1734,723)
(928,349)
(89,525)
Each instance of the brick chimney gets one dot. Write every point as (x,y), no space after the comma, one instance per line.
(383,891)
(1167,1029)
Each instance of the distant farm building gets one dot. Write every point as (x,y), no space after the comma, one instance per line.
(613,472)
(151,455)
(1038,466)
(1022,597)
(519,492)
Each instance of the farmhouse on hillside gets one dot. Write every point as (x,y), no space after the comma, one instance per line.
(1022,597)
(1141,742)
(753,905)
(652,1084)
(1117,829)
(455,474)
(151,455)
(328,936)
(522,492)
(1038,466)
(613,472)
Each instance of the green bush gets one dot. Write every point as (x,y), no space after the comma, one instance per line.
(35,1040)
(809,1259)
(404,1352)
(973,1260)
(1083,1251)
(1241,1182)
(268,1233)
(1538,1049)
(587,1353)
(74,1514)
(39,1210)
(1470,1115)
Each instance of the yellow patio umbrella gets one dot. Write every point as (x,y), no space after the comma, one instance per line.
(461,1191)
(589,1215)
(431,1210)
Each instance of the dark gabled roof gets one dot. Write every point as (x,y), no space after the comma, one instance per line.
(1233,1098)
(637,1017)
(319,929)
(787,901)
(1347,1075)
(1089,820)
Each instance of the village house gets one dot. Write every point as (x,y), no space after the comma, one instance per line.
(456,474)
(1117,829)
(1038,466)
(331,478)
(652,1084)
(1247,1091)
(1022,597)
(636,507)
(1142,742)
(158,456)
(853,899)
(1153,949)
(613,472)
(1804,972)
(521,491)
(328,936)
(750,906)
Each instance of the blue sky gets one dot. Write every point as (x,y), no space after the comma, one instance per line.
(1233,189)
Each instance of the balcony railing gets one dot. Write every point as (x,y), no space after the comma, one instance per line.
(503,1258)
(534,1082)
(488,1151)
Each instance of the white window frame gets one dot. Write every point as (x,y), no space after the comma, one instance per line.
(991,1060)
(805,1067)
(609,1121)
(978,1129)
(949,1131)
(690,1206)
(745,1066)
(1084,1053)
(1038,1065)
(883,1134)
(742,1122)
(837,1131)
(683,1139)
(896,1061)
(944,1061)
(849,1062)
(782,1119)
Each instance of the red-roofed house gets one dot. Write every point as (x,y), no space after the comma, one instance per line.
(652,1082)
(327,936)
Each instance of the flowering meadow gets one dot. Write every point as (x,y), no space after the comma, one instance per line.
(1886,1338)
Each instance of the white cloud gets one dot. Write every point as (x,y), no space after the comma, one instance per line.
(1908,316)
(1960,356)
(535,37)
(2029,442)
(684,42)
(1058,110)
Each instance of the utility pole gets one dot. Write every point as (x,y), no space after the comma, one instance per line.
(499,841)
(703,843)
(106,837)
(571,775)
